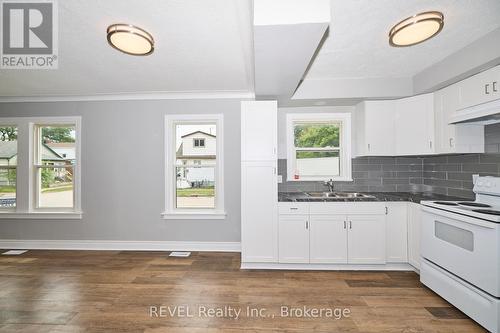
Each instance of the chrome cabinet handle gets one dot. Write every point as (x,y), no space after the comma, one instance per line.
(451,142)
(307,224)
(345,225)
(495,86)
(369,147)
(430,144)
(486,91)
(350,224)
(386,210)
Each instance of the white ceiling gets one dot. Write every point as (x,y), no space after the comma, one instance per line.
(357,46)
(202,46)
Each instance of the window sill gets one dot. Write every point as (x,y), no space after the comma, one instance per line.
(42,215)
(320,179)
(193,215)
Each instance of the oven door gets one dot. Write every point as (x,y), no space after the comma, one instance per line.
(466,247)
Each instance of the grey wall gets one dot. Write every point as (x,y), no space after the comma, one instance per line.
(123,173)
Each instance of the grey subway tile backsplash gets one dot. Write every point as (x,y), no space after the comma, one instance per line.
(370,174)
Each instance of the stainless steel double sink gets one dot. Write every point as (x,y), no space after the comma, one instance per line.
(338,195)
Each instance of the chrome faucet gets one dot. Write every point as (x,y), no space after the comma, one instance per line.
(330,184)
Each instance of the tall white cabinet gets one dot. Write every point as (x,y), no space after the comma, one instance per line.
(259,186)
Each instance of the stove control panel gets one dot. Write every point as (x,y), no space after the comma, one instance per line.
(487,185)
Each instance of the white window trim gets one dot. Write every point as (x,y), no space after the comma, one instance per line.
(172,213)
(25,191)
(346,143)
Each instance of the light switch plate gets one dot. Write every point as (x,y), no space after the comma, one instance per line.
(280,179)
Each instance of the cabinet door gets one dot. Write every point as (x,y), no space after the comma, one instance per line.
(480,88)
(294,239)
(366,239)
(259,212)
(415,125)
(460,138)
(397,232)
(328,238)
(379,128)
(259,128)
(414,224)
(445,104)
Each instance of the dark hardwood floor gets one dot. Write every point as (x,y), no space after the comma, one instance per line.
(91,291)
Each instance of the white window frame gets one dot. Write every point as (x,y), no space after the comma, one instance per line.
(26,193)
(171,212)
(11,123)
(345,144)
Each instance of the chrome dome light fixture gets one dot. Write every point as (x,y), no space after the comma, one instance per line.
(130,39)
(416,29)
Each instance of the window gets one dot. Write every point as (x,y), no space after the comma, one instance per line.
(194,178)
(319,147)
(199,143)
(54,174)
(8,167)
(39,174)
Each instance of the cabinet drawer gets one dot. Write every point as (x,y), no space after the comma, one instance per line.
(347,208)
(293,208)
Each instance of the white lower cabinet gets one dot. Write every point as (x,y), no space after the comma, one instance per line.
(366,239)
(293,239)
(414,225)
(320,238)
(259,227)
(397,232)
(328,240)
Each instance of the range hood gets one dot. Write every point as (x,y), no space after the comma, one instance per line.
(482,114)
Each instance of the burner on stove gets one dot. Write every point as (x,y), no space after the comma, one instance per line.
(474,204)
(487,211)
(446,203)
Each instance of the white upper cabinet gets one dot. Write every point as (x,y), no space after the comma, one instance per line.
(374,118)
(481,88)
(415,125)
(259,125)
(461,138)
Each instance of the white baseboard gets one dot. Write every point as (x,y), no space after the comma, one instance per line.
(112,245)
(330,267)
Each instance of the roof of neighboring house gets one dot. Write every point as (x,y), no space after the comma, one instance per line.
(205,133)
(61,144)
(8,149)
(180,155)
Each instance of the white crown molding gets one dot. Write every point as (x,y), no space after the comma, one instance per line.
(106,245)
(223,94)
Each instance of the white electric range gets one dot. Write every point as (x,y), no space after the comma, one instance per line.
(460,249)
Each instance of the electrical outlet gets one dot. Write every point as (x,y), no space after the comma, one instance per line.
(280,179)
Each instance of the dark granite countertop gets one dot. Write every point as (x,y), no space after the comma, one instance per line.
(377,196)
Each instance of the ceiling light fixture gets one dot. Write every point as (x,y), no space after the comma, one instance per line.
(416,29)
(130,39)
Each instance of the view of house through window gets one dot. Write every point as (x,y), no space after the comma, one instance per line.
(195,165)
(54,165)
(317,149)
(8,164)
